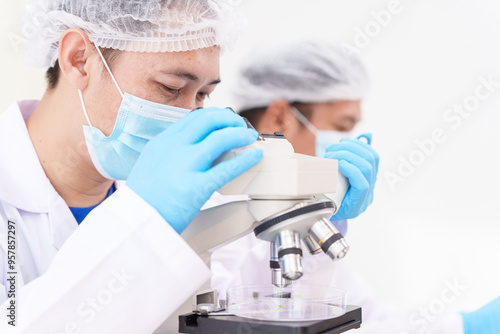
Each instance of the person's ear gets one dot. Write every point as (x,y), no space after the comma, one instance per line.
(278,116)
(75,49)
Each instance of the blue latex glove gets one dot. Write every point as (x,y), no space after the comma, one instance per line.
(174,174)
(486,320)
(358,161)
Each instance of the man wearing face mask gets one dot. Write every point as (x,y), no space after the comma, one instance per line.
(311,91)
(84,256)
(123,79)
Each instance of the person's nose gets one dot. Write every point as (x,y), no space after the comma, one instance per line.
(189,102)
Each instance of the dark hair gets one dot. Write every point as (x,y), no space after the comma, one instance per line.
(304,108)
(53,73)
(253,115)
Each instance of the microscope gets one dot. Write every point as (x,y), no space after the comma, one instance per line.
(286,206)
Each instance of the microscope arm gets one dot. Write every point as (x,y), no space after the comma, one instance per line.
(215,227)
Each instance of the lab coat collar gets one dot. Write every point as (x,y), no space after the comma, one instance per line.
(23,183)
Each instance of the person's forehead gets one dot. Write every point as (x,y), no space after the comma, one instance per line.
(194,65)
(162,58)
(337,110)
(338,107)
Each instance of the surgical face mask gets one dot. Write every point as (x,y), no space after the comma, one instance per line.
(137,122)
(324,138)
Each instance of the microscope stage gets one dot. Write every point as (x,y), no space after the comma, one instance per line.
(194,323)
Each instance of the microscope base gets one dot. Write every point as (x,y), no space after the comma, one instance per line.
(194,323)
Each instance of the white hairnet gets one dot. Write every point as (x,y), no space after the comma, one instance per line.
(299,70)
(130,25)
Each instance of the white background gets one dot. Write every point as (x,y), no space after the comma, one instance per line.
(442,222)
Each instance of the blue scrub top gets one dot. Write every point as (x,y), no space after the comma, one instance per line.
(81,213)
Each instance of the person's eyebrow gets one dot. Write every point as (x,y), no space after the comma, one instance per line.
(347,119)
(351,119)
(183,74)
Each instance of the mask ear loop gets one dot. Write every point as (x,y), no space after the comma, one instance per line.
(112,78)
(302,119)
(109,71)
(84,108)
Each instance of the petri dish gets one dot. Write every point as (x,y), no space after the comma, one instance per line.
(293,303)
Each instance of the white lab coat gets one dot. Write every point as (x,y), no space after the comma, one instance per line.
(125,270)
